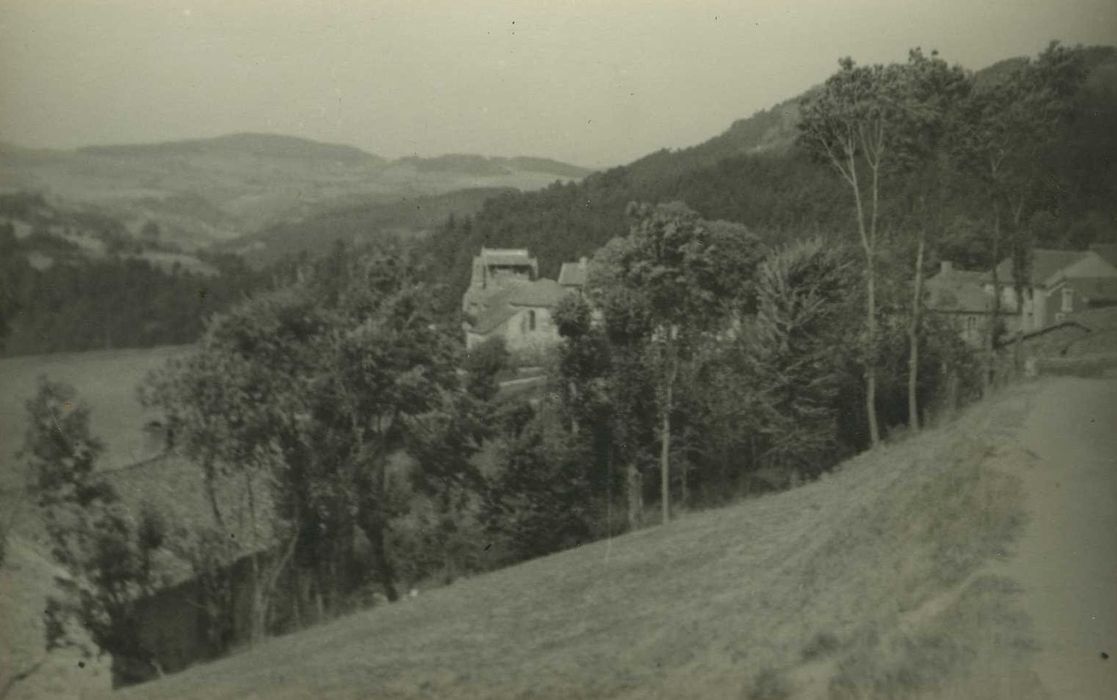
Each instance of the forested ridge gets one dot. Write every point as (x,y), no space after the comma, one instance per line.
(755,174)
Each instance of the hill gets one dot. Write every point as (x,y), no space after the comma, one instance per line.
(753,174)
(893,576)
(356,223)
(202,191)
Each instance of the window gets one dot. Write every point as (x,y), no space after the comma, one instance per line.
(1068,299)
(531,320)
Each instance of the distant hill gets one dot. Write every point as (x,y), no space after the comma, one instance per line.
(261,145)
(205,191)
(359,222)
(480,165)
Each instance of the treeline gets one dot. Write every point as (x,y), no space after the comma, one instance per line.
(784,193)
(84,303)
(376,456)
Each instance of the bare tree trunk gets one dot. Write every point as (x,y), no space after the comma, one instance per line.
(871,369)
(868,244)
(635,493)
(384,568)
(913,335)
(670,373)
(665,457)
(991,349)
(1019,274)
(685,495)
(262,594)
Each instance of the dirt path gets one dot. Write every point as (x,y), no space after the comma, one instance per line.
(1067,558)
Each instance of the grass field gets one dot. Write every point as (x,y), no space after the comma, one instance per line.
(106,380)
(872,582)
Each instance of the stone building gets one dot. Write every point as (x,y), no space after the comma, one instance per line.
(506,298)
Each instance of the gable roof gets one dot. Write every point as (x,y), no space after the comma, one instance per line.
(1045,263)
(1108,251)
(959,291)
(515,257)
(572,274)
(540,293)
(502,305)
(1094,288)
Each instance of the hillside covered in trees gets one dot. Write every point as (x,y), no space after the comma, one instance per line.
(755,174)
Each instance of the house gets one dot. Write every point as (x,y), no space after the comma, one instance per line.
(1061,282)
(961,296)
(572,275)
(1107,251)
(506,298)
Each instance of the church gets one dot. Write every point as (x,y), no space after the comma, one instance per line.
(506,298)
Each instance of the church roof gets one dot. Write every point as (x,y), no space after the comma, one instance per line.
(572,274)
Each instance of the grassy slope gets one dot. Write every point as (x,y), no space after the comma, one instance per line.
(870,582)
(107,380)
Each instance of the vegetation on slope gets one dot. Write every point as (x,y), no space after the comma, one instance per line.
(867,583)
(357,224)
(755,175)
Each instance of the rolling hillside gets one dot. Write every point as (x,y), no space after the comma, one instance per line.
(202,191)
(359,222)
(753,174)
(909,571)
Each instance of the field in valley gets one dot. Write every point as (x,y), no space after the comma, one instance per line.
(107,381)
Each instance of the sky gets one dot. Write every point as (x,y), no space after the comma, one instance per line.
(593,83)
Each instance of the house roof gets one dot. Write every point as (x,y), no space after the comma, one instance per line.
(505,303)
(1093,288)
(959,291)
(1100,319)
(506,256)
(540,293)
(572,274)
(1045,263)
(1107,251)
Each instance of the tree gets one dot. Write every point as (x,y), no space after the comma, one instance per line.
(541,498)
(306,392)
(482,365)
(150,233)
(1009,129)
(852,123)
(110,556)
(931,93)
(794,365)
(603,396)
(672,280)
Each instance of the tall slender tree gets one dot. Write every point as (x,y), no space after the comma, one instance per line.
(852,123)
(1009,128)
(931,93)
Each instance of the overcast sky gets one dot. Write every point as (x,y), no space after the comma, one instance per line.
(595,83)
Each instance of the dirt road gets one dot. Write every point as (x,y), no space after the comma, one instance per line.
(1067,559)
